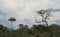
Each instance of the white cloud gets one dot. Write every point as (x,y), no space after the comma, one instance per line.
(9,4)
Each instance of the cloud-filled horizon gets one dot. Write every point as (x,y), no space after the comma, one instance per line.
(25,10)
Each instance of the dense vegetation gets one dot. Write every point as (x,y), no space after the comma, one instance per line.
(34,31)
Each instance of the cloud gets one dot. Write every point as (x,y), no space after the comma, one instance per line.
(52,10)
(25,10)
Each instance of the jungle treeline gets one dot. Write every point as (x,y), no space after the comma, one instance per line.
(39,30)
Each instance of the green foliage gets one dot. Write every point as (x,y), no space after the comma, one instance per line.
(11,19)
(4,31)
(45,16)
(35,31)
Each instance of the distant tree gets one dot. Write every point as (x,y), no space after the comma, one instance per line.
(12,19)
(4,31)
(38,30)
(44,16)
(23,29)
(21,26)
(26,30)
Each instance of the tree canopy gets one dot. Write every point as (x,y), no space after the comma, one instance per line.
(34,31)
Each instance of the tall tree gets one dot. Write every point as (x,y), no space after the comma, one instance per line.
(44,16)
(12,19)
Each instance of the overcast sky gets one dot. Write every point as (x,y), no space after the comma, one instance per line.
(25,10)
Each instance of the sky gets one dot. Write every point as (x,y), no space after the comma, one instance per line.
(25,10)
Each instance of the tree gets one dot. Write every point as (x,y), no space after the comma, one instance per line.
(12,19)
(44,16)
(23,29)
(21,26)
(4,31)
(38,30)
